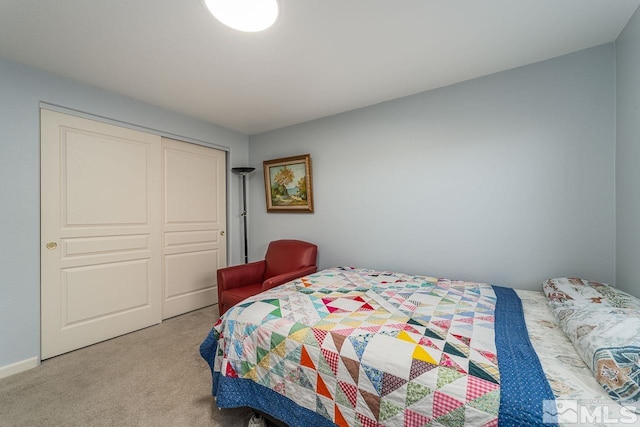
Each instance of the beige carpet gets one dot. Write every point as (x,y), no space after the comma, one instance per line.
(152,377)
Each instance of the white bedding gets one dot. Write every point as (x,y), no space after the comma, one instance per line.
(570,379)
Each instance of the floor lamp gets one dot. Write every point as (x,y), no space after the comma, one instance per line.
(243,172)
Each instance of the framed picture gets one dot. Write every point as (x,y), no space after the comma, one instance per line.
(287,184)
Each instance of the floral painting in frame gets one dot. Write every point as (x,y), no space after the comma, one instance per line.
(287,184)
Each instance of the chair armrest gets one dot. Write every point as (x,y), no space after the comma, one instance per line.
(287,277)
(241,275)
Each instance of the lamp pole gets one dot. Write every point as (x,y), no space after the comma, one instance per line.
(243,172)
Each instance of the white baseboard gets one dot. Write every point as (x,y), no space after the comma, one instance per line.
(14,368)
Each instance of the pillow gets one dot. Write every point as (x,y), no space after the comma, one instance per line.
(567,290)
(603,323)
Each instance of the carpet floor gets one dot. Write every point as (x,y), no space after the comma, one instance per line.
(152,377)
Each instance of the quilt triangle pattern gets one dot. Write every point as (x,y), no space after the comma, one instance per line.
(332,342)
(415,419)
(391,383)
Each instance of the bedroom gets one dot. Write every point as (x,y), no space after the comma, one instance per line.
(510,178)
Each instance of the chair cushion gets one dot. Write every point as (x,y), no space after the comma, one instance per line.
(234,296)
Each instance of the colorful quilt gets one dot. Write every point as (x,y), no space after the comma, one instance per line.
(357,347)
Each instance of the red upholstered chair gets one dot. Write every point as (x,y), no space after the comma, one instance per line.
(284,261)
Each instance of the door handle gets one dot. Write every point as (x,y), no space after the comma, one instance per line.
(52,245)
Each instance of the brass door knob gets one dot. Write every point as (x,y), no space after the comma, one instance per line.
(222,233)
(52,245)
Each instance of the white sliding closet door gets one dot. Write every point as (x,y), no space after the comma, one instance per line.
(100,231)
(194,223)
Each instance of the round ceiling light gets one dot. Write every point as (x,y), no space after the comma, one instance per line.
(245,15)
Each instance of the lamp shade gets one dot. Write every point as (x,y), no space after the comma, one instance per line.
(242,170)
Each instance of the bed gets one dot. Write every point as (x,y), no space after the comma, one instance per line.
(358,347)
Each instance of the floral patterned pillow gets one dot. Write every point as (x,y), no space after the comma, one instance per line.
(568,290)
(603,323)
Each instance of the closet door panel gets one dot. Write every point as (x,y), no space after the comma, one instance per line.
(100,229)
(194,222)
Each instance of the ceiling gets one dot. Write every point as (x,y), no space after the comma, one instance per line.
(322,57)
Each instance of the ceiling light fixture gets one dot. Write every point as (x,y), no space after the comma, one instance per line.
(245,15)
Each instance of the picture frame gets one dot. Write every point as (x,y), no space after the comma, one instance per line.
(288,184)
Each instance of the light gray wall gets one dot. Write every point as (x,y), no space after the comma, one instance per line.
(22,89)
(507,179)
(628,157)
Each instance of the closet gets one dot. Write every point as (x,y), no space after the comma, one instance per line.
(132,229)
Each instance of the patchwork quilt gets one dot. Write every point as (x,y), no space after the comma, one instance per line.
(358,347)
